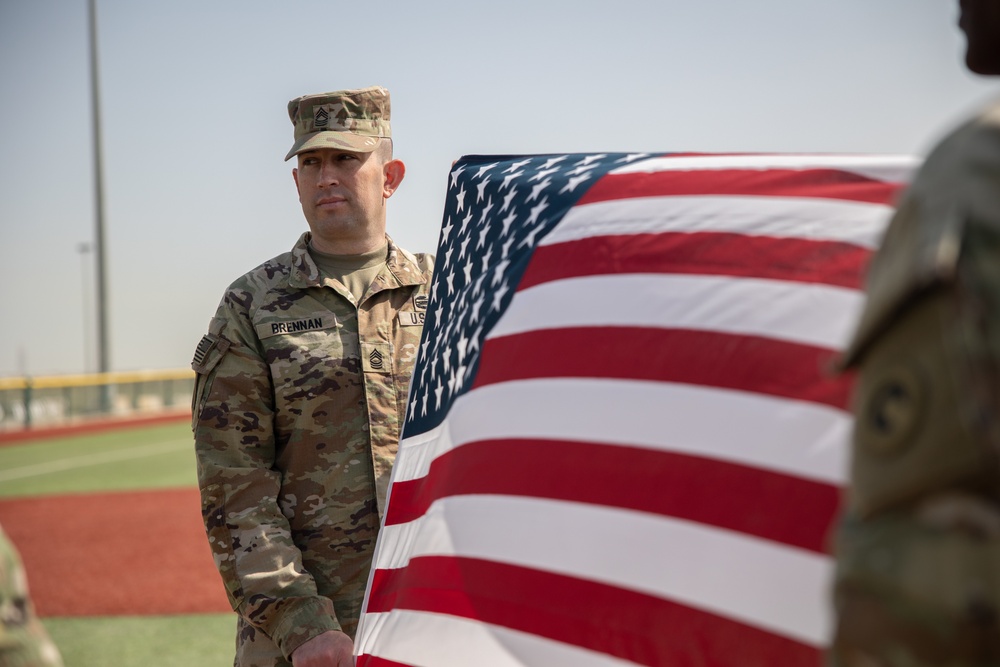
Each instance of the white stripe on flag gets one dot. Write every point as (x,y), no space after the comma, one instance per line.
(806,218)
(760,583)
(813,314)
(403,636)
(798,438)
(890,168)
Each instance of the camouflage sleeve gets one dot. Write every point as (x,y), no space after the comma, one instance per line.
(250,539)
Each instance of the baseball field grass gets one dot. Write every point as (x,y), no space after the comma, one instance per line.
(109,528)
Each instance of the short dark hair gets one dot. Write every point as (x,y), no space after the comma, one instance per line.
(384,149)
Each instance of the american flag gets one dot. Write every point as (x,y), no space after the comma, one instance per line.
(623,445)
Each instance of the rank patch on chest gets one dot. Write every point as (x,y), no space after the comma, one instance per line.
(376,358)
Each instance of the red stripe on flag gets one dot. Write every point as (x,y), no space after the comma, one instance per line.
(707,358)
(375,661)
(718,493)
(812,183)
(634,626)
(701,253)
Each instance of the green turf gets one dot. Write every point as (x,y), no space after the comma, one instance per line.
(145,641)
(129,459)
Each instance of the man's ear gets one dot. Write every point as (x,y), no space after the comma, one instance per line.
(295,177)
(393,172)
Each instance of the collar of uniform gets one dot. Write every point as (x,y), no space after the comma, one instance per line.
(402,268)
(304,272)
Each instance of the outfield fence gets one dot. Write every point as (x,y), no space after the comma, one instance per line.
(27,402)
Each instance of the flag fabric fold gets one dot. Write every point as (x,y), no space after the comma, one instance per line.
(624,444)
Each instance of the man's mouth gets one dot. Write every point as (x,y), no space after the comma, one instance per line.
(330,201)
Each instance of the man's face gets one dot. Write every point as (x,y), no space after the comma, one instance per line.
(980,21)
(342,196)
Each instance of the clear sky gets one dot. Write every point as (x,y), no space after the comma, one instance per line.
(195,126)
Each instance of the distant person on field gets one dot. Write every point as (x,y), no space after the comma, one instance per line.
(23,640)
(918,554)
(302,383)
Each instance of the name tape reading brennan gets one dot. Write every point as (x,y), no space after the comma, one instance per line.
(317,323)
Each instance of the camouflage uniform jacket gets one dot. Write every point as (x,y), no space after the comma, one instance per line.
(956,190)
(930,331)
(918,543)
(297,412)
(23,639)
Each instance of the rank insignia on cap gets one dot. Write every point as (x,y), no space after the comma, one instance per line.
(352,120)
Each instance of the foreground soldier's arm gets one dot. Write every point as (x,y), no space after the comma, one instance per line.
(24,641)
(918,543)
(250,538)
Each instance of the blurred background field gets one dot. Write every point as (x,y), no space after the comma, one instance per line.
(71,400)
(147,464)
(147,457)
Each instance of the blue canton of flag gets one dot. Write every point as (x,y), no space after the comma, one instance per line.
(502,207)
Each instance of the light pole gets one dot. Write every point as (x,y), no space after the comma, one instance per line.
(100,282)
(100,275)
(84,250)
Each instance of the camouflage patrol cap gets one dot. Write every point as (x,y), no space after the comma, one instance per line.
(350,120)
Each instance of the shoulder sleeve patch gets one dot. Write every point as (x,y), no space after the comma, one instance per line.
(211,348)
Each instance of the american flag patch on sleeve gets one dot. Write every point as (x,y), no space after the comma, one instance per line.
(203,360)
(204,345)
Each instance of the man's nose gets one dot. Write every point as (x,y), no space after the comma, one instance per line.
(328,174)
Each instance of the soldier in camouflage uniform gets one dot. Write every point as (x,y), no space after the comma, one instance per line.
(301,390)
(23,640)
(918,549)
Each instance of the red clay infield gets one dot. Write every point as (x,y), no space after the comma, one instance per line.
(110,554)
